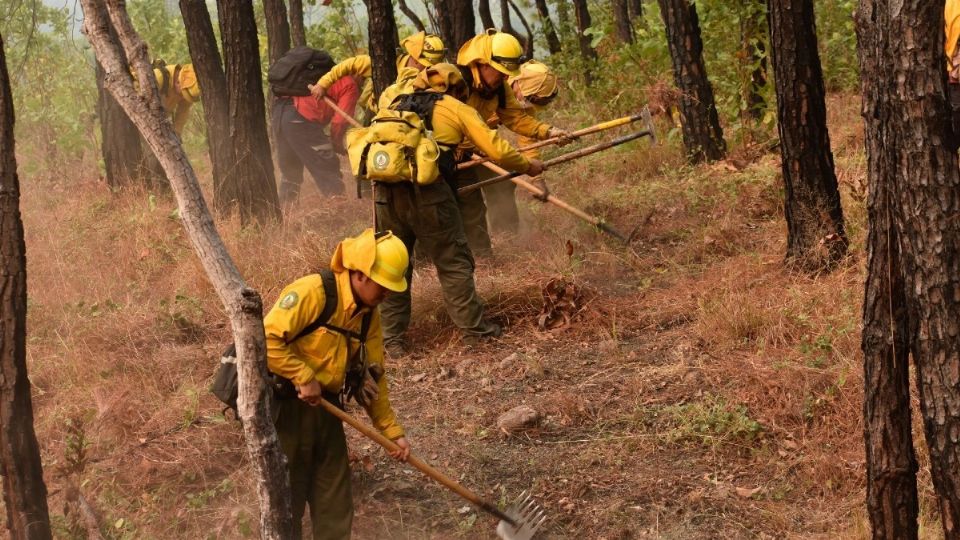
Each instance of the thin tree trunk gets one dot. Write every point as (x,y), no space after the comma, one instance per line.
(213,84)
(382,29)
(298,32)
(528,40)
(636,9)
(242,303)
(755,58)
(911,162)
(278,29)
(253,186)
(483,9)
(587,51)
(456,24)
(815,234)
(553,42)
(702,135)
(621,19)
(412,15)
(24,493)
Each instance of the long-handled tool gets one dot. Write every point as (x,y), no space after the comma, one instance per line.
(552,199)
(570,156)
(517,523)
(602,126)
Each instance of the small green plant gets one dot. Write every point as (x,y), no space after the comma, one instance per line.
(711,421)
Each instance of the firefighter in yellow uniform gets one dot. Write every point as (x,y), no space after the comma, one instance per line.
(417,52)
(364,270)
(428,215)
(486,62)
(179,90)
(535,87)
(951,48)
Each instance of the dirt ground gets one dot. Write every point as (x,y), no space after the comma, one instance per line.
(701,389)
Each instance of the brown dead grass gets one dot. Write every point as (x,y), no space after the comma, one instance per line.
(700,371)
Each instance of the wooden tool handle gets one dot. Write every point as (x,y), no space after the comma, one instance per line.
(421,465)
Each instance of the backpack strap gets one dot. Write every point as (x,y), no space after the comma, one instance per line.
(331,299)
(420,102)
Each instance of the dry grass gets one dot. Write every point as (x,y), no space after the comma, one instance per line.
(701,370)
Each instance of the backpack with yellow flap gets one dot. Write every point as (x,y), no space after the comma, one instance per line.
(398,146)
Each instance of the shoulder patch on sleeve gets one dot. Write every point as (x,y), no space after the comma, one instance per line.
(289,300)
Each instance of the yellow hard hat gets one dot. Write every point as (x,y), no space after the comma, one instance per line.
(381,257)
(390,265)
(498,49)
(426,49)
(538,83)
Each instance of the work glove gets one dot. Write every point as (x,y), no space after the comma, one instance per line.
(536,168)
(566,138)
(542,184)
(369,391)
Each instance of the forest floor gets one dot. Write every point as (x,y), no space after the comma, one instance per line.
(704,390)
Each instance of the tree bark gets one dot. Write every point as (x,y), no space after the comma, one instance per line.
(549,31)
(912,164)
(120,143)
(528,39)
(457,24)
(278,29)
(298,32)
(636,9)
(587,52)
(702,135)
(483,9)
(213,83)
(382,29)
(412,15)
(815,233)
(752,26)
(253,186)
(622,21)
(241,303)
(24,493)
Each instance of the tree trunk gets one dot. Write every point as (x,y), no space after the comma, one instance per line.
(815,235)
(506,25)
(702,135)
(636,9)
(621,19)
(120,143)
(213,83)
(241,303)
(253,186)
(911,162)
(553,42)
(457,24)
(412,15)
(483,9)
(754,58)
(298,32)
(382,29)
(587,51)
(528,40)
(24,493)
(278,29)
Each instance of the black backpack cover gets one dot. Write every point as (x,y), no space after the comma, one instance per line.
(299,67)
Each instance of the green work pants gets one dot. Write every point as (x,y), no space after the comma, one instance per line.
(502,207)
(316,450)
(430,221)
(474,210)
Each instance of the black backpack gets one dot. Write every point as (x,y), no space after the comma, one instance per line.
(299,67)
(225,383)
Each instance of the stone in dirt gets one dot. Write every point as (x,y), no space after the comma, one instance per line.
(518,419)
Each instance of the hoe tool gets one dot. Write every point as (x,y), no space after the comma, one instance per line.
(602,126)
(520,521)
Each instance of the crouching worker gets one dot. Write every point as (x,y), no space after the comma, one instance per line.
(324,336)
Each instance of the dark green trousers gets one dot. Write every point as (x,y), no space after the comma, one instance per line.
(316,450)
(474,210)
(430,222)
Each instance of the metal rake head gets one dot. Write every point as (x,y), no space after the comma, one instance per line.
(527,517)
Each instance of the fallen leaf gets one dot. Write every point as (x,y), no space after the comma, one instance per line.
(746,493)
(418,377)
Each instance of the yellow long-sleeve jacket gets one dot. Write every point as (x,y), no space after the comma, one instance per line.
(513,115)
(323,355)
(179,90)
(362,66)
(456,123)
(951,19)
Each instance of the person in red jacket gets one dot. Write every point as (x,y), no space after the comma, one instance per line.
(298,133)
